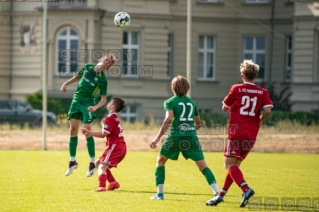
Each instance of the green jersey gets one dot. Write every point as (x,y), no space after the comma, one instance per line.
(90,83)
(184,110)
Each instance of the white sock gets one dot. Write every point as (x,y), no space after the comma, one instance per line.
(72,159)
(160,188)
(92,160)
(214,186)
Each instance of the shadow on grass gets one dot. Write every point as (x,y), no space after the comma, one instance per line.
(153,192)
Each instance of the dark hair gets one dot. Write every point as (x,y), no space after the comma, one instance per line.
(119,104)
(180,85)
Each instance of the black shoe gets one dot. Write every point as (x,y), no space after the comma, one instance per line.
(72,165)
(91,170)
(246,195)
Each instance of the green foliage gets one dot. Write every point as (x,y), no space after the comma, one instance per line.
(300,117)
(44,187)
(54,105)
(210,119)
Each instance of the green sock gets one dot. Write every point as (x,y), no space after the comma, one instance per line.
(210,178)
(91,147)
(160,175)
(73,143)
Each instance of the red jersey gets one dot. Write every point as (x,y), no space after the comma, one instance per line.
(113,129)
(245,101)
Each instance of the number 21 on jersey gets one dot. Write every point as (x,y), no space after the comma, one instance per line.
(246,101)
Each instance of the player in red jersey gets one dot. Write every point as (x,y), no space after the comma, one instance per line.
(244,101)
(116,147)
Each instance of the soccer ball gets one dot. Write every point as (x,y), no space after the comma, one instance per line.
(122,19)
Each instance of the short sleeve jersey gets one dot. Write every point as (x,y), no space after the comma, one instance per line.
(245,102)
(112,127)
(184,110)
(89,84)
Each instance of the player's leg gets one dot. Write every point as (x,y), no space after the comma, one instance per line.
(73,142)
(117,155)
(231,151)
(208,174)
(91,150)
(102,177)
(160,177)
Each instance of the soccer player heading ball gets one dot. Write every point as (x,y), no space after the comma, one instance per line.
(183,118)
(244,102)
(92,78)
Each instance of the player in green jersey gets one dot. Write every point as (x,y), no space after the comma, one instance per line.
(92,78)
(183,119)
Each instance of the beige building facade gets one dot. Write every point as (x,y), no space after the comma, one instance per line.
(282,37)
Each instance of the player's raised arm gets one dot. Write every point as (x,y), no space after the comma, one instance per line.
(70,81)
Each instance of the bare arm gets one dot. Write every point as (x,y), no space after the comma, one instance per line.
(225,108)
(88,133)
(266,113)
(70,81)
(197,122)
(165,125)
(98,105)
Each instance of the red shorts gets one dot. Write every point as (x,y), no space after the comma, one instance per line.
(114,154)
(238,148)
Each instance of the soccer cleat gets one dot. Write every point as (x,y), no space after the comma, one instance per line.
(215,201)
(99,189)
(246,195)
(91,170)
(157,197)
(72,165)
(113,185)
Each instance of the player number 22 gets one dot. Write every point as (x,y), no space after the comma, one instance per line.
(245,101)
(189,118)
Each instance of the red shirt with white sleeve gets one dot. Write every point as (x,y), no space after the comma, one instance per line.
(245,102)
(112,127)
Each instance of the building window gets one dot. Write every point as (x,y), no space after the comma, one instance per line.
(170,56)
(254,49)
(209,1)
(131,46)
(67,3)
(288,59)
(256,1)
(129,113)
(206,58)
(67,49)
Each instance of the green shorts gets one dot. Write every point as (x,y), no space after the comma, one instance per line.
(80,111)
(188,145)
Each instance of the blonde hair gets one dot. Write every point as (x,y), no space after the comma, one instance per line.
(249,69)
(180,85)
(109,56)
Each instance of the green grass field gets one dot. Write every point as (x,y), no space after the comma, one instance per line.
(35,181)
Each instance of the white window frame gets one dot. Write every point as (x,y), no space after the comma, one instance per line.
(127,115)
(287,65)
(205,51)
(68,37)
(170,55)
(254,52)
(256,1)
(131,46)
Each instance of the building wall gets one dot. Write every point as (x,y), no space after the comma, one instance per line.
(305,75)
(228,21)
